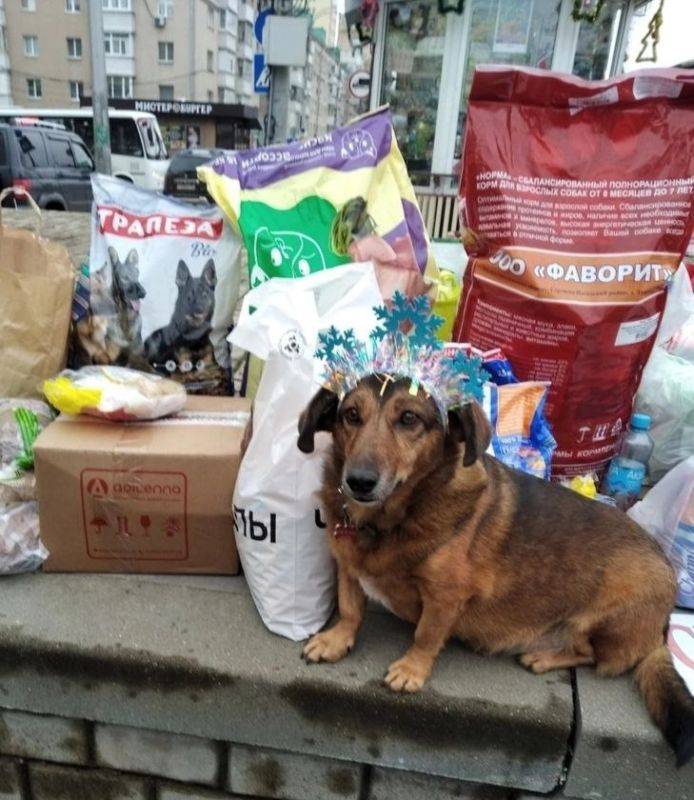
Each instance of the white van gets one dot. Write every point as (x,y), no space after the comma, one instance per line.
(138,153)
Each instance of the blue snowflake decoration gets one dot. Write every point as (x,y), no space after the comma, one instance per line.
(469,373)
(410,318)
(403,345)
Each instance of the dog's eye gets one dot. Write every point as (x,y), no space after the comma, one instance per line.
(351,416)
(408,419)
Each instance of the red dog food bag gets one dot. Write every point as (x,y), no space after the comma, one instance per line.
(579,199)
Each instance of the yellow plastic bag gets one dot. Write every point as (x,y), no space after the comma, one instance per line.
(446,302)
(68,397)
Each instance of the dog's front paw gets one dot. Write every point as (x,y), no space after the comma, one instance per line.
(331,645)
(409,673)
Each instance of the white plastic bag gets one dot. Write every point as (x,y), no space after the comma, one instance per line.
(667,513)
(277,522)
(666,392)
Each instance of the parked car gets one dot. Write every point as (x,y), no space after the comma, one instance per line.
(181,177)
(52,164)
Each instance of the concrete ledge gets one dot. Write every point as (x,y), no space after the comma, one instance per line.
(619,752)
(190,656)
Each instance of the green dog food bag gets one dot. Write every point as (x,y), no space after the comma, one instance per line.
(334,199)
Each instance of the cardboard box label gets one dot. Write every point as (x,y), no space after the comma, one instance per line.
(134,514)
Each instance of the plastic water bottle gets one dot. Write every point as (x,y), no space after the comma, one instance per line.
(627,470)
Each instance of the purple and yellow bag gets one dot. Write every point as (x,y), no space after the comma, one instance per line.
(334,199)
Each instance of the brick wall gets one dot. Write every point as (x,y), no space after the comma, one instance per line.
(52,758)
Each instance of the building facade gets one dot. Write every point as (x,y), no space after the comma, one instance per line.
(5,80)
(424,61)
(185,50)
(319,95)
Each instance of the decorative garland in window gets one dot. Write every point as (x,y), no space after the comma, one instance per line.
(652,36)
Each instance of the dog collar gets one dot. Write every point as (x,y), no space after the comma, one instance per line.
(347,529)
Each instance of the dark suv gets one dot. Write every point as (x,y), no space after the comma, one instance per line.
(182,178)
(52,164)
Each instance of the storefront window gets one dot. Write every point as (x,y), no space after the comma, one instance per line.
(518,32)
(598,42)
(411,75)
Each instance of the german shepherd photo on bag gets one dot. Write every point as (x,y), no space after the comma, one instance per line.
(164,280)
(451,540)
(185,341)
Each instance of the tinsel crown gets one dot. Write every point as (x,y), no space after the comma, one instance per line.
(402,345)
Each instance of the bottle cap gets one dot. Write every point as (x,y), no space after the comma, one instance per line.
(640,422)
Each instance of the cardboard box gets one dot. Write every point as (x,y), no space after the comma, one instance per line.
(142,497)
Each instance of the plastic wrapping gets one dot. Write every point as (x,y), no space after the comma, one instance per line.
(21,420)
(521,435)
(21,549)
(114,393)
(666,392)
(667,512)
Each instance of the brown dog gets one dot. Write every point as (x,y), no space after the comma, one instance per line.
(460,545)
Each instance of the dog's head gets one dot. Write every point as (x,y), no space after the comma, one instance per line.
(195,296)
(385,437)
(126,279)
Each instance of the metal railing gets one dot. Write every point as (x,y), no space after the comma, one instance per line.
(440,211)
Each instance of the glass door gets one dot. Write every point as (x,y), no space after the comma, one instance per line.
(521,32)
(412,62)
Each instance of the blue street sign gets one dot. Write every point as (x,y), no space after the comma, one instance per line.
(260,24)
(261,74)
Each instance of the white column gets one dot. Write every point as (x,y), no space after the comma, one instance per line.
(566,39)
(455,50)
(378,57)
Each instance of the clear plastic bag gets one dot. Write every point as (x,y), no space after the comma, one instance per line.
(21,421)
(667,513)
(666,392)
(21,549)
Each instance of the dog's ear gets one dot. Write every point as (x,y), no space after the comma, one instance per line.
(209,274)
(182,274)
(131,260)
(469,424)
(319,415)
(113,256)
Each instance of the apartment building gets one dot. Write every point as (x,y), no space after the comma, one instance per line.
(193,50)
(316,90)
(5,83)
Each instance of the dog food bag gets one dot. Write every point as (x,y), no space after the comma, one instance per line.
(579,201)
(114,393)
(279,529)
(163,283)
(338,198)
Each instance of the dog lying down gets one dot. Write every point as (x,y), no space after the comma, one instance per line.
(453,541)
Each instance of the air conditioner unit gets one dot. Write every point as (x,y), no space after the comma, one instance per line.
(159,22)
